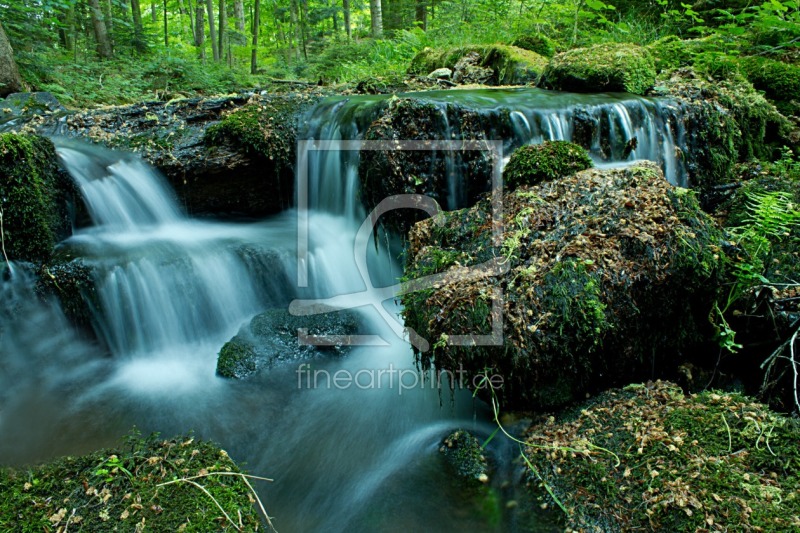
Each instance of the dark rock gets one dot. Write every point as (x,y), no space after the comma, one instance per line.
(272,337)
(465,455)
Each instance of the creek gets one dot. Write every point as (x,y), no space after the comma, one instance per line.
(172,289)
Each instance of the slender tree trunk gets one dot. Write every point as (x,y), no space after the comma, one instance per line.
(138,28)
(200,31)
(66,33)
(295,27)
(166,25)
(154,11)
(189,12)
(376,18)
(347,27)
(421,17)
(10,80)
(238,14)
(108,15)
(303,19)
(212,30)
(100,31)
(223,24)
(256,28)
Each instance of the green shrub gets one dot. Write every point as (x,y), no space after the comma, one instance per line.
(532,164)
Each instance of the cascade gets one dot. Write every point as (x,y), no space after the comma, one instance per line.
(172,289)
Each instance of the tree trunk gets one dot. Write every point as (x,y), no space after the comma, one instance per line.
(421,17)
(138,28)
(238,14)
(200,31)
(295,27)
(212,30)
(66,32)
(347,27)
(376,18)
(223,24)
(100,31)
(166,25)
(256,24)
(303,19)
(154,12)
(108,15)
(10,80)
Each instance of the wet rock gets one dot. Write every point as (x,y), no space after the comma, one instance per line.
(532,164)
(495,64)
(72,282)
(34,198)
(28,104)
(272,337)
(598,277)
(621,67)
(225,156)
(465,455)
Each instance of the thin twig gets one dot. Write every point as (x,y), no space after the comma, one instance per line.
(3,238)
(794,367)
(730,439)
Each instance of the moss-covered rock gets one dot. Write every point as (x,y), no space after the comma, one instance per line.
(650,458)
(608,272)
(602,67)
(725,122)
(272,337)
(780,81)
(465,455)
(134,487)
(33,197)
(532,164)
(672,52)
(72,282)
(509,65)
(538,43)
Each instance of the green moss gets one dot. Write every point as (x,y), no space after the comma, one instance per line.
(465,455)
(510,65)
(118,490)
(604,67)
(672,52)
(532,164)
(605,269)
(538,43)
(72,282)
(685,463)
(266,130)
(237,359)
(780,81)
(31,197)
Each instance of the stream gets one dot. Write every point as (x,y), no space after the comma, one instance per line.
(173,289)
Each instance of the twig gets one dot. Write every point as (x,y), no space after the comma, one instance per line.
(3,238)
(199,486)
(730,439)
(794,367)
(237,474)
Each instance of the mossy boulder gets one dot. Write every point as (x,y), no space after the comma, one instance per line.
(538,43)
(135,486)
(272,337)
(620,67)
(508,65)
(672,52)
(72,282)
(780,81)
(34,195)
(532,164)
(465,455)
(650,458)
(725,122)
(603,275)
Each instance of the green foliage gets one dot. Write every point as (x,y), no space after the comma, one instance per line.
(134,485)
(604,67)
(539,43)
(31,197)
(550,160)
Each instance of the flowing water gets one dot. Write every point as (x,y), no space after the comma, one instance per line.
(172,290)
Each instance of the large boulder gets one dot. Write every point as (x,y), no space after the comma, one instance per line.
(607,273)
(272,337)
(780,82)
(619,67)
(34,198)
(535,163)
(503,64)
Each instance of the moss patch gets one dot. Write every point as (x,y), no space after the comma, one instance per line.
(711,461)
(118,490)
(538,43)
(32,197)
(608,272)
(510,65)
(780,81)
(603,67)
(532,164)
(72,282)
(465,455)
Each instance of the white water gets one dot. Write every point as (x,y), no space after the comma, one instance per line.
(172,290)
